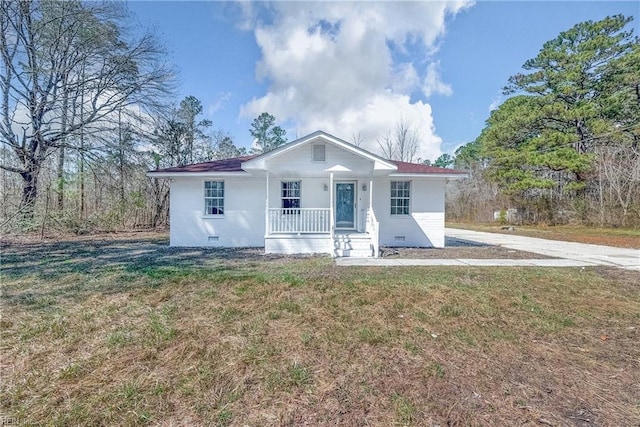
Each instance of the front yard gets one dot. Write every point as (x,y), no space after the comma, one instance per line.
(131,332)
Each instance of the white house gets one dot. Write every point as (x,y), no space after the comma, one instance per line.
(317,194)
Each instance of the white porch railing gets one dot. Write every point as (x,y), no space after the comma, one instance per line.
(299,221)
(373,230)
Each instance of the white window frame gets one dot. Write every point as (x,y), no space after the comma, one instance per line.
(397,194)
(290,210)
(214,196)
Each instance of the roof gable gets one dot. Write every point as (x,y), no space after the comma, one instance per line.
(260,162)
(246,164)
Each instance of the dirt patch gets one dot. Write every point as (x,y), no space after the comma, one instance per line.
(151,248)
(135,250)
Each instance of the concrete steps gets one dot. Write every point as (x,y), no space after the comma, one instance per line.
(353,245)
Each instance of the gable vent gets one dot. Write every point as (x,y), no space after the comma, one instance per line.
(399,238)
(319,153)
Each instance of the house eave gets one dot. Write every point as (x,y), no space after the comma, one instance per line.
(152,174)
(161,175)
(449,176)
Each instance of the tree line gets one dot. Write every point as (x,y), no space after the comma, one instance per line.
(565,145)
(86,111)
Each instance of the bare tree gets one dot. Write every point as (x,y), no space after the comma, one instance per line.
(407,140)
(55,54)
(618,171)
(387,146)
(402,144)
(357,139)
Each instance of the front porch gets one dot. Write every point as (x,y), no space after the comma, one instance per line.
(298,221)
(309,230)
(311,208)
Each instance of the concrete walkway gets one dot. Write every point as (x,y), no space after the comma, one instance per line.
(569,254)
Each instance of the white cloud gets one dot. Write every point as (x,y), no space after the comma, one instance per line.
(495,103)
(405,78)
(221,99)
(331,66)
(247,15)
(432,83)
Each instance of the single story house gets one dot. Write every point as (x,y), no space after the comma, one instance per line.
(317,194)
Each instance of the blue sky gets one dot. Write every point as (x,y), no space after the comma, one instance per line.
(358,68)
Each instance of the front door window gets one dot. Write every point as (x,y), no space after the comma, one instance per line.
(345,205)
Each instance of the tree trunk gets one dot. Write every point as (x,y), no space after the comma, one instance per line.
(60,180)
(82,148)
(160,208)
(121,167)
(81,172)
(29,192)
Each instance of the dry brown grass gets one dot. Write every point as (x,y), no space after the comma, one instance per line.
(124,333)
(618,237)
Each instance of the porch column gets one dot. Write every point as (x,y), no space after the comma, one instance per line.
(331,210)
(371,194)
(266,209)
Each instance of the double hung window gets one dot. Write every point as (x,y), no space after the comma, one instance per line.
(290,193)
(214,197)
(400,197)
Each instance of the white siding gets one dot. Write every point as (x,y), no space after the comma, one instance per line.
(315,196)
(299,161)
(424,227)
(312,192)
(303,244)
(243,221)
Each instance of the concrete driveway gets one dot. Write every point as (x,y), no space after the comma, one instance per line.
(581,252)
(567,254)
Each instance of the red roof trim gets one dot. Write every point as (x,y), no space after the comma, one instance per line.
(235,165)
(225,165)
(406,167)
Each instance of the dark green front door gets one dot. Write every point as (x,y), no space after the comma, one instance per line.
(346,205)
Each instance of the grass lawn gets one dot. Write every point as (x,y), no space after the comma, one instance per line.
(131,332)
(618,237)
